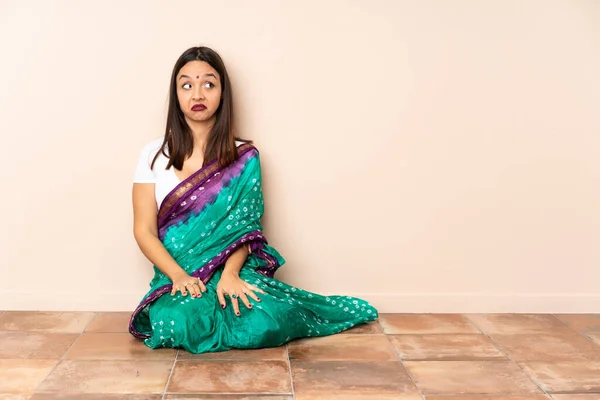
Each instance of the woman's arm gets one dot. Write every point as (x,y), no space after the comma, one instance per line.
(145,232)
(236,261)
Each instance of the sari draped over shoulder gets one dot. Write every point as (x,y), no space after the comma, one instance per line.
(201,222)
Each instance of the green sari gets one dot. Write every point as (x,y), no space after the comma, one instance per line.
(201,223)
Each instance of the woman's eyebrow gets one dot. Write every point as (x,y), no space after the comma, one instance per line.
(205,75)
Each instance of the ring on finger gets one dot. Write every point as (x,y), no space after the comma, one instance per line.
(234,296)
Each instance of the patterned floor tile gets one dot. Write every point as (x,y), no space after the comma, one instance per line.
(272,353)
(548,347)
(586,323)
(470,377)
(561,377)
(343,347)
(115,346)
(225,376)
(519,324)
(114,377)
(23,376)
(426,324)
(110,322)
(351,378)
(457,347)
(35,345)
(48,322)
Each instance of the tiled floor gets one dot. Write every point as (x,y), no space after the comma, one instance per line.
(85,356)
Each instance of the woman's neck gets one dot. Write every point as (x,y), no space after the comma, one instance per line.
(200,131)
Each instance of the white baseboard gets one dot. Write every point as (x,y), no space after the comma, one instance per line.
(384,302)
(484,303)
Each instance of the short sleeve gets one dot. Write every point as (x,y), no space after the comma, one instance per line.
(143,172)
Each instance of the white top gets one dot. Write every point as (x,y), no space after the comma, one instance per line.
(164,180)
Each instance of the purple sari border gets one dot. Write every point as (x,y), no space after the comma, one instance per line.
(242,150)
(256,239)
(197,196)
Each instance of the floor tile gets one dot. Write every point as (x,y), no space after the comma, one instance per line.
(470,377)
(222,376)
(563,377)
(368,328)
(117,322)
(23,376)
(115,346)
(49,322)
(519,323)
(100,376)
(35,345)
(350,378)
(586,323)
(573,396)
(343,347)
(54,396)
(426,323)
(350,396)
(526,397)
(548,347)
(271,353)
(225,397)
(458,347)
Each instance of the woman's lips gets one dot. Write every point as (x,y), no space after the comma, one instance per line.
(199,107)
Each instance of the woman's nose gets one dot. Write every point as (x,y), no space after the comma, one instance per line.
(198,93)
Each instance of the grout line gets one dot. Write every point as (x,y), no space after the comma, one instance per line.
(59,360)
(509,357)
(170,375)
(404,366)
(570,327)
(287,353)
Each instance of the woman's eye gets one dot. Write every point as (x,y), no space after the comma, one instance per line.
(186,86)
(209,85)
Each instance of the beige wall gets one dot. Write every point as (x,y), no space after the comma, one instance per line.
(429,156)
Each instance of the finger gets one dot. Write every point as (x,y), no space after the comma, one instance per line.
(236,306)
(252,295)
(221,298)
(245,300)
(194,290)
(173,290)
(201,285)
(183,290)
(252,287)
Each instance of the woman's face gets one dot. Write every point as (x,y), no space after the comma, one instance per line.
(198,91)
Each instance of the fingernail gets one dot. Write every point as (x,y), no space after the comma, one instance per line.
(237,313)
(222,305)
(258,299)
(250,306)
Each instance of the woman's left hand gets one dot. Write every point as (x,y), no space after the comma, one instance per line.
(232,285)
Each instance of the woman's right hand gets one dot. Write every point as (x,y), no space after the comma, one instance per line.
(185,283)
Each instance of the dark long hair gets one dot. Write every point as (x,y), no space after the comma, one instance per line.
(178,135)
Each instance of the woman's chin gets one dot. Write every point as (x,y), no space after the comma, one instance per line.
(197,118)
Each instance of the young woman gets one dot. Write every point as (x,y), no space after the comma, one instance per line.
(197,203)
